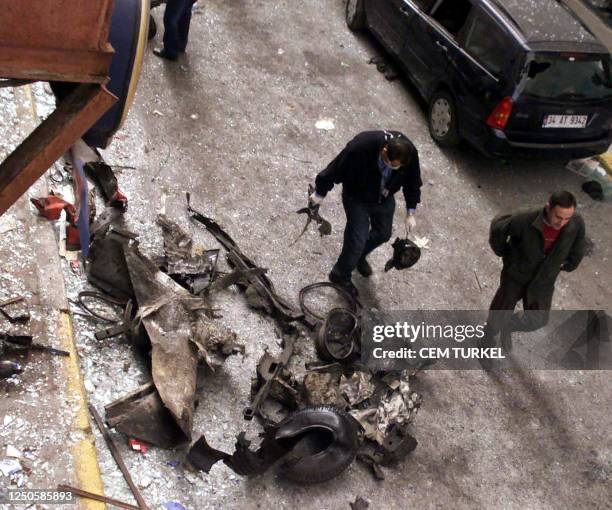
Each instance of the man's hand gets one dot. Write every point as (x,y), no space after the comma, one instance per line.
(410,221)
(314,199)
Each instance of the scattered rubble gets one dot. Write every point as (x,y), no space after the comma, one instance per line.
(10,466)
(259,290)
(117,456)
(316,421)
(97,497)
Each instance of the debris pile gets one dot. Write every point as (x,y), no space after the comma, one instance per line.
(342,413)
(16,342)
(164,315)
(259,290)
(316,420)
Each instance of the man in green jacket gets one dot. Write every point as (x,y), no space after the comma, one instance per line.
(535,246)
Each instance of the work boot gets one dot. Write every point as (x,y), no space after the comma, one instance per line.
(364,268)
(164,54)
(345,284)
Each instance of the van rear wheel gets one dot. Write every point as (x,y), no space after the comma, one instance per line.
(355,14)
(443,120)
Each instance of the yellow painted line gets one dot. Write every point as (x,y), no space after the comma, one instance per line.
(87,470)
(88,475)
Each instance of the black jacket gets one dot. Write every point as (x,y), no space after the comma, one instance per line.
(519,240)
(356,167)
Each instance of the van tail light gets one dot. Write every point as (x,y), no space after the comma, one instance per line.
(500,114)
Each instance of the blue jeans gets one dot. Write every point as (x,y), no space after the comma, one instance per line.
(177,18)
(367,227)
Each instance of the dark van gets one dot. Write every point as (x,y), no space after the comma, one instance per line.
(509,76)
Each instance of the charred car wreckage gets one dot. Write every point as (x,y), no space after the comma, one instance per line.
(318,415)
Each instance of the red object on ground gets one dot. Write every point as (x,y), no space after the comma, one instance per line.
(119,200)
(138,446)
(51,206)
(73,239)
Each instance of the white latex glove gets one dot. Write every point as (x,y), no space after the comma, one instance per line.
(410,222)
(315,199)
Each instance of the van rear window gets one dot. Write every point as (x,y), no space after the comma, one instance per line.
(569,76)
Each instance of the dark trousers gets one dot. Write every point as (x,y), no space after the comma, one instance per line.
(177,18)
(501,312)
(367,227)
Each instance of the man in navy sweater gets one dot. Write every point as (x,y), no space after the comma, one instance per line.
(372,168)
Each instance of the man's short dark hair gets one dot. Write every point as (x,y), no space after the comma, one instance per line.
(563,199)
(400,149)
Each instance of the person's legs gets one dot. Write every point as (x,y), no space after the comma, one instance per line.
(183,26)
(172,17)
(355,237)
(381,228)
(508,294)
(535,315)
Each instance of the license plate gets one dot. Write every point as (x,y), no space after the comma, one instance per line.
(565,121)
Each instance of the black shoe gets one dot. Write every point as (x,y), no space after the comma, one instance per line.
(364,268)
(347,285)
(164,54)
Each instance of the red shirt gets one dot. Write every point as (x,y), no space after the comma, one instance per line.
(550,236)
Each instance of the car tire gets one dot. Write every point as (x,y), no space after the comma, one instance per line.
(322,441)
(442,120)
(355,14)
